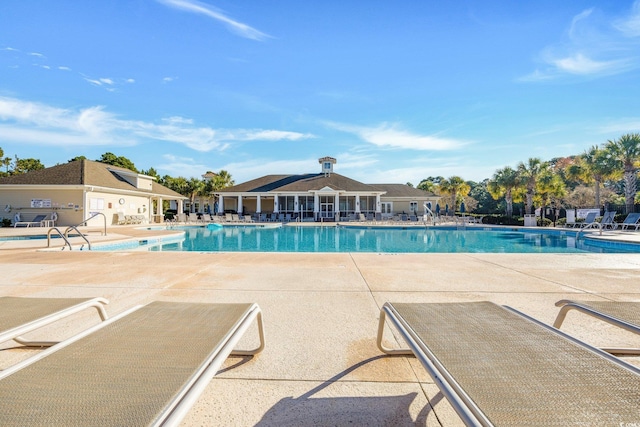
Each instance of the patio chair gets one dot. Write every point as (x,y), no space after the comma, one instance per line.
(19,315)
(588,220)
(147,366)
(607,221)
(37,221)
(497,366)
(624,314)
(631,220)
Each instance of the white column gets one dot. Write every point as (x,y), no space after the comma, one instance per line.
(378,203)
(316,205)
(159,210)
(336,206)
(357,203)
(221,205)
(258,206)
(295,204)
(276,207)
(240,210)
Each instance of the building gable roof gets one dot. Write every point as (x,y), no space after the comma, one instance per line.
(300,183)
(85,172)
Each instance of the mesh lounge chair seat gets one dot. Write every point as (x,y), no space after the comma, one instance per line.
(624,314)
(146,366)
(37,222)
(631,220)
(498,367)
(19,316)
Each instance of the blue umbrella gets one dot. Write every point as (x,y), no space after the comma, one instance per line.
(437,208)
(462,207)
(446,209)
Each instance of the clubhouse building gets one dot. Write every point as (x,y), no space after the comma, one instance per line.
(323,196)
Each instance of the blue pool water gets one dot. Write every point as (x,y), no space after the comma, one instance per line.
(349,239)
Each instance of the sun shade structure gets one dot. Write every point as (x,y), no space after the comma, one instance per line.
(146,366)
(499,367)
(19,315)
(623,314)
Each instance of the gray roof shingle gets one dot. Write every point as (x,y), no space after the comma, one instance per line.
(84,172)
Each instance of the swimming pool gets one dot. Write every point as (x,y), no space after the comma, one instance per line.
(231,238)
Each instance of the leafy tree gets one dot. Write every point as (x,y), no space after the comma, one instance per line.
(77,158)
(625,151)
(222,180)
(594,166)
(430,184)
(550,189)
(479,200)
(27,165)
(455,187)
(193,189)
(151,172)
(529,174)
(6,162)
(503,184)
(112,159)
(409,184)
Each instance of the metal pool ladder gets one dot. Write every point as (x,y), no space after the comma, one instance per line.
(65,235)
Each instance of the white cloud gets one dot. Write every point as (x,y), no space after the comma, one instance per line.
(580,64)
(130,81)
(39,55)
(243,30)
(391,135)
(168,79)
(64,68)
(268,135)
(36,123)
(594,46)
(630,25)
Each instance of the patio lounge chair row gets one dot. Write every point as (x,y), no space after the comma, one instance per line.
(631,221)
(148,365)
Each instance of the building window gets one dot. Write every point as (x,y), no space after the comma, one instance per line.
(413,207)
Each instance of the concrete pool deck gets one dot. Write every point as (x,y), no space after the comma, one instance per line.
(321,365)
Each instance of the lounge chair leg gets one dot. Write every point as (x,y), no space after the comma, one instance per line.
(387,350)
(570,305)
(260,333)
(98,304)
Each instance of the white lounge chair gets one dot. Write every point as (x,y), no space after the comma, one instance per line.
(19,315)
(147,366)
(623,314)
(497,366)
(588,220)
(607,220)
(36,222)
(631,220)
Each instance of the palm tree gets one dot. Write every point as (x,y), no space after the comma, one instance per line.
(6,162)
(626,152)
(593,166)
(502,184)
(194,188)
(549,189)
(222,180)
(529,173)
(455,187)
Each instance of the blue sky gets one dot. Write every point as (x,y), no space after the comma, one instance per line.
(396,91)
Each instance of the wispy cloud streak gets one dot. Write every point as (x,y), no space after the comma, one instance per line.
(243,30)
(393,136)
(35,123)
(594,46)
